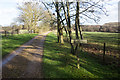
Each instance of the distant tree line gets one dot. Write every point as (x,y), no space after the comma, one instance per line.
(108,27)
(13,29)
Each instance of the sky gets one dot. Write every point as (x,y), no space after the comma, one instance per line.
(9,12)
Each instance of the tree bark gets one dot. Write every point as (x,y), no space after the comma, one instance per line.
(76,21)
(80,29)
(59,29)
(69,28)
(65,19)
(58,23)
(76,25)
(5,33)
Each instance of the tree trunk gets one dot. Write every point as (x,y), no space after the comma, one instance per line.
(61,36)
(59,30)
(5,33)
(80,30)
(58,23)
(65,19)
(12,31)
(76,26)
(34,31)
(28,29)
(69,28)
(17,31)
(76,21)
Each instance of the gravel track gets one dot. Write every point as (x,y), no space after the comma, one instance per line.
(26,61)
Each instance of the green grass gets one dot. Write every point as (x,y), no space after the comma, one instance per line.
(10,43)
(111,39)
(58,62)
(102,37)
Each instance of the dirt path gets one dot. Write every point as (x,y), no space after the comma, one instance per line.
(26,61)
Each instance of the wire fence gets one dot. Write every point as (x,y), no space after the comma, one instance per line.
(105,53)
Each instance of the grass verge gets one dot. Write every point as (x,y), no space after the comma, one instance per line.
(59,63)
(10,43)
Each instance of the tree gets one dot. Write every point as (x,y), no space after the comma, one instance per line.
(77,12)
(59,29)
(31,14)
(14,27)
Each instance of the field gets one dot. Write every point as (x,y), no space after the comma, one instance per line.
(111,39)
(58,62)
(12,42)
(96,42)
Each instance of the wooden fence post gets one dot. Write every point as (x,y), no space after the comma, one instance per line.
(78,62)
(78,43)
(77,55)
(104,52)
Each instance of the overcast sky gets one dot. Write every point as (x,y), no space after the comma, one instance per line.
(9,11)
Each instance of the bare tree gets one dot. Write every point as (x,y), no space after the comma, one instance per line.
(77,12)
(31,14)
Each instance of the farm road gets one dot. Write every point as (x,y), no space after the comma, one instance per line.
(26,61)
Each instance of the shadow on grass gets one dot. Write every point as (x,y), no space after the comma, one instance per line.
(58,56)
(12,42)
(97,67)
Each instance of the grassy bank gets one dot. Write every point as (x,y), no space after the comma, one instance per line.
(59,63)
(12,42)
